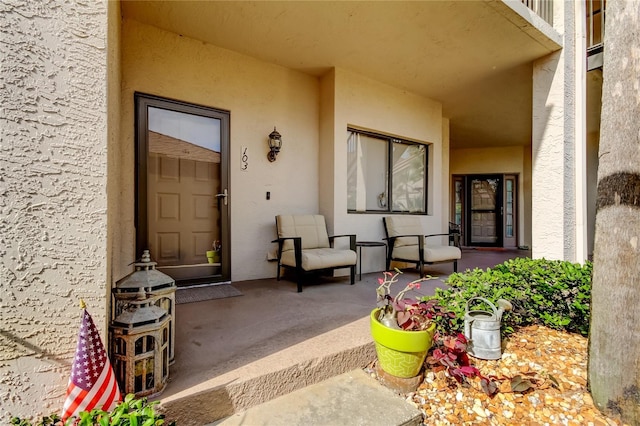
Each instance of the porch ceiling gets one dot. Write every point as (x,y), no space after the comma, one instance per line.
(473,56)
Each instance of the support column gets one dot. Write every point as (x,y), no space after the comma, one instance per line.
(53,158)
(558,141)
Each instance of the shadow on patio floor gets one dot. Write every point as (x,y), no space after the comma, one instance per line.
(238,352)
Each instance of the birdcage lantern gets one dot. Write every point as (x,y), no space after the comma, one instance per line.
(139,339)
(146,282)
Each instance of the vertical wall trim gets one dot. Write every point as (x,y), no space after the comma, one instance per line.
(580,105)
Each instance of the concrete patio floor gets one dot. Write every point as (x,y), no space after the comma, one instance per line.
(234,353)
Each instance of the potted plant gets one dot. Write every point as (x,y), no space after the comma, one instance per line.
(213,256)
(402,328)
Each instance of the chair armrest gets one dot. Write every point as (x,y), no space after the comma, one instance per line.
(283,239)
(438,235)
(390,242)
(297,245)
(418,236)
(352,240)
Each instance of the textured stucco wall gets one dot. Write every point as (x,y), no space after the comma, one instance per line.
(53,203)
(553,147)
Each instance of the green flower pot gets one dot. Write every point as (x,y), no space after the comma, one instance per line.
(400,353)
(213,256)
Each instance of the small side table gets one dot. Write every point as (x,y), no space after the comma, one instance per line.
(362,244)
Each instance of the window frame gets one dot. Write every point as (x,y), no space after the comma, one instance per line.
(390,141)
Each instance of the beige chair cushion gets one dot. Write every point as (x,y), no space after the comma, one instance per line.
(312,229)
(404,225)
(320,258)
(431,253)
(407,247)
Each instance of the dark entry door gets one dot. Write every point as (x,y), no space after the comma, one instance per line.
(182,188)
(484,218)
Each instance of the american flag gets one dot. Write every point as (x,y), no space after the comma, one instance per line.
(92,383)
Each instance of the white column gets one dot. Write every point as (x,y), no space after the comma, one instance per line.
(558,195)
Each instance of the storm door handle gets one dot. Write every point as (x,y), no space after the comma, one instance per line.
(224,195)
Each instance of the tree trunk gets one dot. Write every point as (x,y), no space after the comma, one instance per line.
(614,343)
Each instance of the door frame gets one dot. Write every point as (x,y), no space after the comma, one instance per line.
(141,102)
(498,208)
(465,211)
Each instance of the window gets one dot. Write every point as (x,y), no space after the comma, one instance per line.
(385,174)
(508,220)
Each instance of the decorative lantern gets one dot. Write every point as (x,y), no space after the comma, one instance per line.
(140,348)
(275,143)
(148,283)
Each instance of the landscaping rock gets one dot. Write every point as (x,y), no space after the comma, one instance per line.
(554,362)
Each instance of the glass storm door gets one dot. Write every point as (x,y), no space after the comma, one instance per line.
(182,192)
(485,210)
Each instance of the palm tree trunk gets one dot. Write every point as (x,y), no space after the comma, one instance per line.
(614,343)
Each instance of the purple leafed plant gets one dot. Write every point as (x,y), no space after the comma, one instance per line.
(452,354)
(405,313)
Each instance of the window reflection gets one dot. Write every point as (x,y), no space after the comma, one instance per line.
(375,184)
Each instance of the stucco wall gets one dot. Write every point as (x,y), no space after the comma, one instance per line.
(557,149)
(53,165)
(487,160)
(552,194)
(365,103)
(259,96)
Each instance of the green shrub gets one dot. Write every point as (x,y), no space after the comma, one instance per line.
(554,293)
(130,412)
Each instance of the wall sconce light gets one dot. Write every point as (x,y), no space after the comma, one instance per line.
(275,143)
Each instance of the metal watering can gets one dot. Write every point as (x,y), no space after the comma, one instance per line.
(482,329)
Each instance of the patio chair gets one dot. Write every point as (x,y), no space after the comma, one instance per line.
(407,242)
(455,234)
(305,247)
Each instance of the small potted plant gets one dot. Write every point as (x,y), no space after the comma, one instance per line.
(402,328)
(213,256)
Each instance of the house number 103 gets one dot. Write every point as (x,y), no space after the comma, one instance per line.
(244,159)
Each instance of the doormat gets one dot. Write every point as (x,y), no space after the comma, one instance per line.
(199,294)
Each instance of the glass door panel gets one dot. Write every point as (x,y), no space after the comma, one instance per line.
(510,214)
(183,214)
(485,210)
(458,206)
